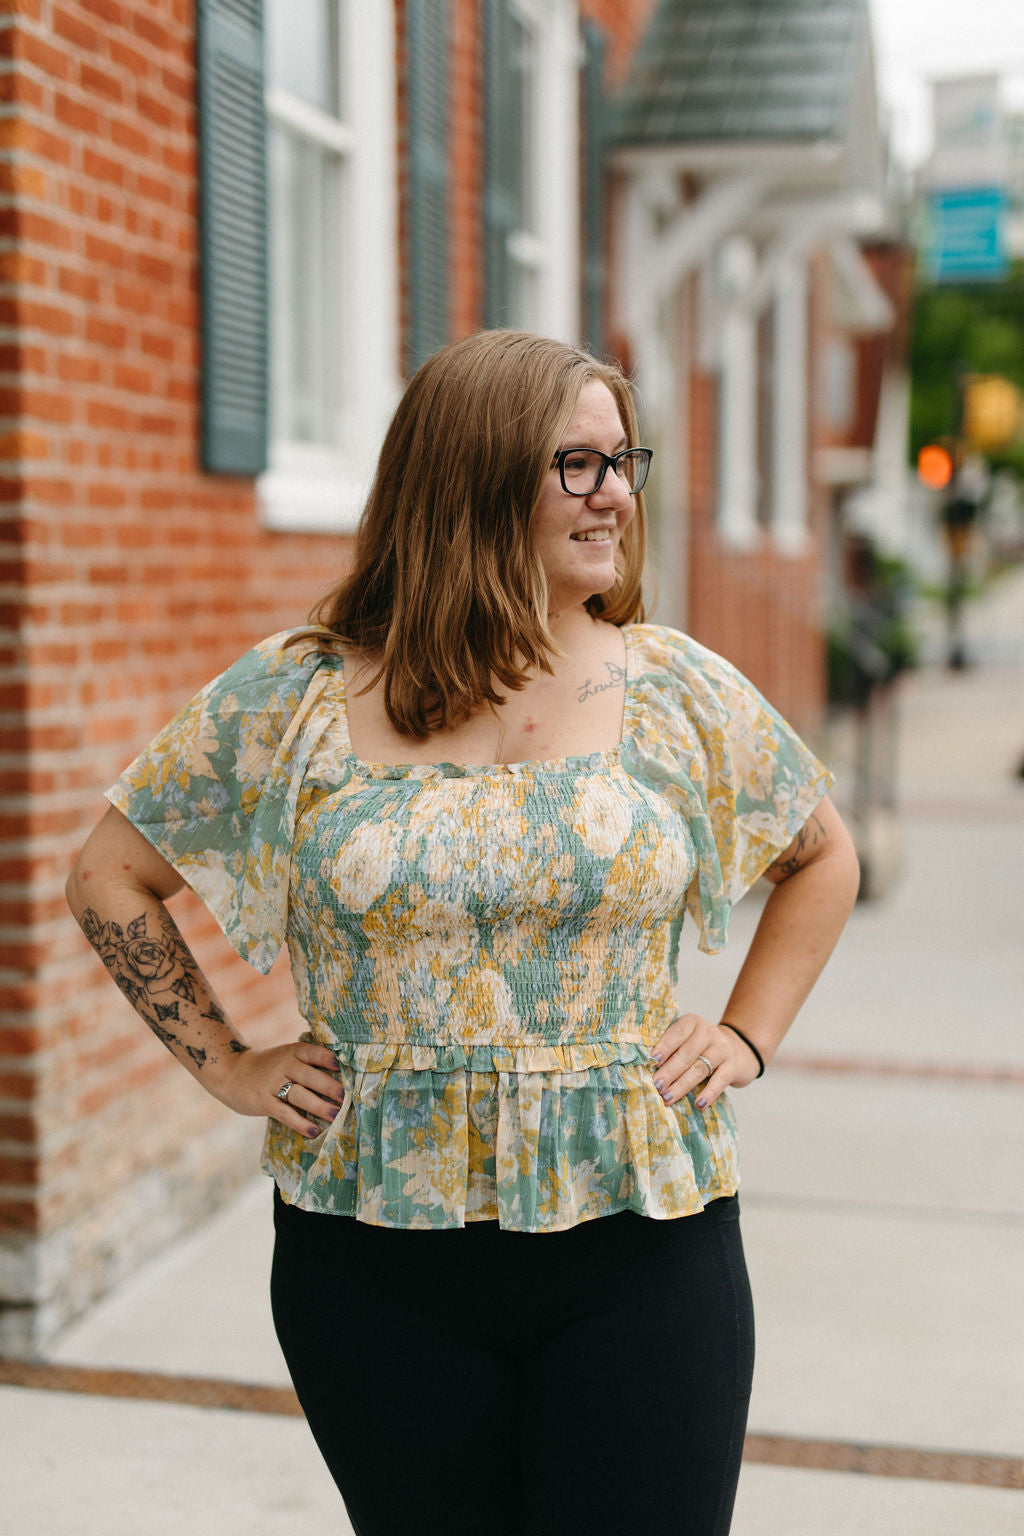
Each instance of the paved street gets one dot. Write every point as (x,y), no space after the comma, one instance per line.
(883,1212)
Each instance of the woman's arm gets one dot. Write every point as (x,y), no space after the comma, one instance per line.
(117,891)
(815,884)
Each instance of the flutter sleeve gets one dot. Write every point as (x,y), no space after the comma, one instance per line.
(740,775)
(215,791)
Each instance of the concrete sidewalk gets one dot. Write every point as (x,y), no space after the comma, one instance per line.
(883,1218)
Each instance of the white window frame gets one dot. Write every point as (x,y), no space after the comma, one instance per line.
(551,251)
(318,487)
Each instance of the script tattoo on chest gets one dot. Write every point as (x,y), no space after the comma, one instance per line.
(616,678)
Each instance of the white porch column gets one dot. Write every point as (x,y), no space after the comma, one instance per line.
(789,409)
(737,414)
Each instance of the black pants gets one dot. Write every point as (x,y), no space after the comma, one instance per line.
(477,1382)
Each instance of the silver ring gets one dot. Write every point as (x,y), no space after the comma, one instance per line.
(706,1063)
(284,1091)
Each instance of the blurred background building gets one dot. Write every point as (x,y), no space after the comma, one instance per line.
(229,232)
(755,259)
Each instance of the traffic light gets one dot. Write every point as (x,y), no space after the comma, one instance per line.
(935,466)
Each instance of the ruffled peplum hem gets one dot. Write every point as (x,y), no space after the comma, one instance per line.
(537,1138)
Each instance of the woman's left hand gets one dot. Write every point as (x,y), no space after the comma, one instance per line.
(680,1071)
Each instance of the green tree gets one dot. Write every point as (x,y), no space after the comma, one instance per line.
(977,329)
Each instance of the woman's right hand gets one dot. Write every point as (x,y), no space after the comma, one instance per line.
(248,1081)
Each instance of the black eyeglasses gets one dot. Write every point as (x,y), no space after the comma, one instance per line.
(582,470)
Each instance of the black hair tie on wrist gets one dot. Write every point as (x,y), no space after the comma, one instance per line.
(724,1024)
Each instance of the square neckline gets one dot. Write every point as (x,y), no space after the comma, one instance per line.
(444,768)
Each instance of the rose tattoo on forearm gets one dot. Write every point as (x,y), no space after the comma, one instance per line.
(156,975)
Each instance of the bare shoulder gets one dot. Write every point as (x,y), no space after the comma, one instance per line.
(360,667)
(364,703)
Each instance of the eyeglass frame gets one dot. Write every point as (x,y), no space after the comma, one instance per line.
(610,460)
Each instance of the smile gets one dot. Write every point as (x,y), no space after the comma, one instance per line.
(594,536)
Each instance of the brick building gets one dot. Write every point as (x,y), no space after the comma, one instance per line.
(228,230)
(749,170)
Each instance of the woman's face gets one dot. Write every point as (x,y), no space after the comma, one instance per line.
(577,537)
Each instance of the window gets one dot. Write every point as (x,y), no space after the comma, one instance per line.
(840,384)
(309,145)
(330,100)
(531,197)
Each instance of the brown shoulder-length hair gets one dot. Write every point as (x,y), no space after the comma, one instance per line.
(446,593)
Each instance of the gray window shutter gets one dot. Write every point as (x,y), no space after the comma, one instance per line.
(594,266)
(427,139)
(501,146)
(233,236)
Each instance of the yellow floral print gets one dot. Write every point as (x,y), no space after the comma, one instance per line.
(490,952)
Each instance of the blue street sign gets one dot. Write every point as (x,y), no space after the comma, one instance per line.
(965,238)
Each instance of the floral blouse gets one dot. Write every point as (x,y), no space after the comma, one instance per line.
(490,952)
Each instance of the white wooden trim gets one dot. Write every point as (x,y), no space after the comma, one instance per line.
(814,215)
(311,497)
(309,121)
(796,163)
(698,227)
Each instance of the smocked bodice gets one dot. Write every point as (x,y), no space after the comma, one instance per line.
(490,951)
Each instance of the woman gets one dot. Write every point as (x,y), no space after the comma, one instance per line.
(476,801)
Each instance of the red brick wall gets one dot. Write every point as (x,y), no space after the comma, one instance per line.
(129,578)
(467,170)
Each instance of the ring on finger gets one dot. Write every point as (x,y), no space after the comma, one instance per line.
(707,1063)
(283,1092)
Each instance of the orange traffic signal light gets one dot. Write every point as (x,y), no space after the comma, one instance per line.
(935,466)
